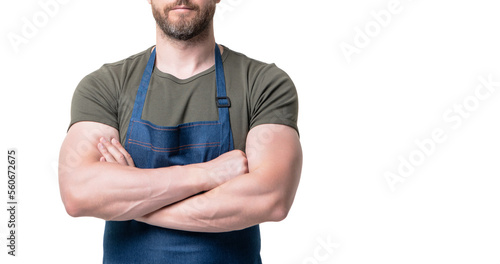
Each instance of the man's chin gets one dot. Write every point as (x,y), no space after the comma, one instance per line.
(180,21)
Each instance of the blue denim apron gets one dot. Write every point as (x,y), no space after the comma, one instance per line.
(153,146)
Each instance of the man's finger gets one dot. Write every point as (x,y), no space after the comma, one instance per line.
(117,156)
(108,157)
(123,151)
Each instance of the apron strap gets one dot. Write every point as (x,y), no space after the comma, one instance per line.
(143,87)
(223,104)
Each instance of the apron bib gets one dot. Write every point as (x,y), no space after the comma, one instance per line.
(153,146)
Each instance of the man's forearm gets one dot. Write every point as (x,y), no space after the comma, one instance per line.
(232,206)
(240,203)
(115,192)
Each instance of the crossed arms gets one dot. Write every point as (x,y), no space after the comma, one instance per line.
(231,192)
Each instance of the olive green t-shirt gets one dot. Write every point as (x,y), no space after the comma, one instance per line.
(260,93)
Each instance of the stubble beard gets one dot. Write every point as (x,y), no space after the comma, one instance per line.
(185,28)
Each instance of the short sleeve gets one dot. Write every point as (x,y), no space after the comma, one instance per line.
(95,99)
(274,99)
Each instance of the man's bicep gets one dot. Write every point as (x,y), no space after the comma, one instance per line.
(275,155)
(78,152)
(272,143)
(80,144)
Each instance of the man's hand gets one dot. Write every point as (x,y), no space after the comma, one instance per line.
(224,168)
(113,152)
(220,170)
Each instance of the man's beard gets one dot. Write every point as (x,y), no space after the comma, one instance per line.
(184,28)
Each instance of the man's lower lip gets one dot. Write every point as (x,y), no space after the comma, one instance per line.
(182,9)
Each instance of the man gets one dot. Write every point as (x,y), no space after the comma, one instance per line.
(156,141)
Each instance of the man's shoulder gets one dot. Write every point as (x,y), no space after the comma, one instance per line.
(129,63)
(119,71)
(253,67)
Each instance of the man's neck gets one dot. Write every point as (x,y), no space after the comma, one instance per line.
(184,59)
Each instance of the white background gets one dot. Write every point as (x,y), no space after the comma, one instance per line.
(356,119)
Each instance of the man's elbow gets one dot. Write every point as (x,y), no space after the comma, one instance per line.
(73,198)
(279,213)
(281,203)
(279,209)
(74,206)
(80,201)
